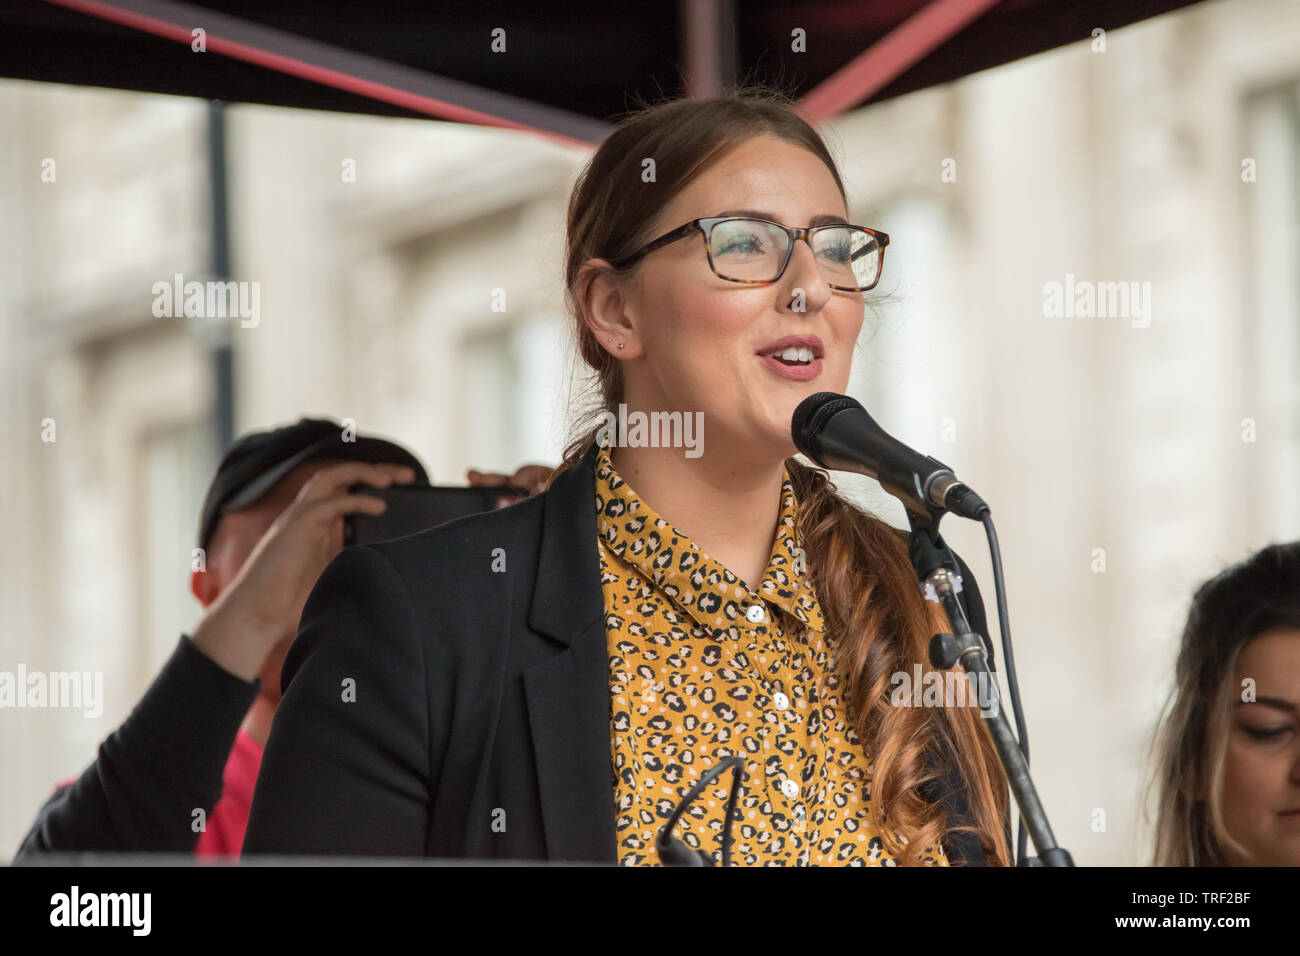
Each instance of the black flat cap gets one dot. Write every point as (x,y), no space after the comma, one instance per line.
(259,460)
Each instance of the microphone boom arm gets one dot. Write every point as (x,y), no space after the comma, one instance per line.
(941,581)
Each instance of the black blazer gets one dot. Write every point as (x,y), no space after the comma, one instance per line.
(448,696)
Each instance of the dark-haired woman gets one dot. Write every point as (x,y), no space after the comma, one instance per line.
(1228,765)
(549,680)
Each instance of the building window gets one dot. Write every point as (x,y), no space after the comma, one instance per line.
(516,398)
(177,464)
(1272,243)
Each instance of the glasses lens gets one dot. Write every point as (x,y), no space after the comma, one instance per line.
(849,257)
(747,249)
(751,250)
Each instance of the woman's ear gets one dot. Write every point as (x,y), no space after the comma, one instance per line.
(603,301)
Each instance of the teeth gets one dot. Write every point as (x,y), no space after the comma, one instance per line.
(795,355)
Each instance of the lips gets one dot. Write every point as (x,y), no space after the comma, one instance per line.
(795,357)
(798,343)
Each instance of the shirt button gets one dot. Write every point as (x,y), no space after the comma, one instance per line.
(780,701)
(756,613)
(789,788)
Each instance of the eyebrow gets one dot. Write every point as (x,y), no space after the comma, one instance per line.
(825,219)
(1276,702)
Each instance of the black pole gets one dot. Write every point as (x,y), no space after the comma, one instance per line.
(223,411)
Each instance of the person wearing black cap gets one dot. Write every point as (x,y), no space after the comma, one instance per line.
(178,774)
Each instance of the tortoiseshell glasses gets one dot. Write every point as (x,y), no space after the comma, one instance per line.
(757,251)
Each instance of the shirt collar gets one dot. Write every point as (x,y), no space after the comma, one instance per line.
(631,529)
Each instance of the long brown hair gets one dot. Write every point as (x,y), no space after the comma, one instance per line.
(1191,742)
(874,611)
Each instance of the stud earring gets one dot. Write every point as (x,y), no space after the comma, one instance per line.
(620,346)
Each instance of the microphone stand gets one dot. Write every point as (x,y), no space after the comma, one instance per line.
(937,571)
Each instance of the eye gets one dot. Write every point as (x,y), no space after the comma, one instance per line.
(836,251)
(749,244)
(1266,733)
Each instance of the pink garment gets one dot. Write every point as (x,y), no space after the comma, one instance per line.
(224,834)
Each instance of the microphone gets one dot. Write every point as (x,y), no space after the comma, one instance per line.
(836,432)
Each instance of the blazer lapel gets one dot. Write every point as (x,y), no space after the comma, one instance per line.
(568,695)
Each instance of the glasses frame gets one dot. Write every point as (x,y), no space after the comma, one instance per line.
(705,227)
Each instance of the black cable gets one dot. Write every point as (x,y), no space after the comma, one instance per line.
(1013,684)
(673,851)
(731,810)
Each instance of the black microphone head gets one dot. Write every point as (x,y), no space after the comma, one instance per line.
(812,415)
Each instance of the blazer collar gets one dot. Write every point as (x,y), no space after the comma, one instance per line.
(567,597)
(568,694)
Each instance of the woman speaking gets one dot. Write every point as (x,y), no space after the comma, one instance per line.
(550,680)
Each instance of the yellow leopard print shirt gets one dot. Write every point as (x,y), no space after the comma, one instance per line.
(702,668)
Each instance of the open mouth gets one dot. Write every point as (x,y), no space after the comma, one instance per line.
(792,356)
